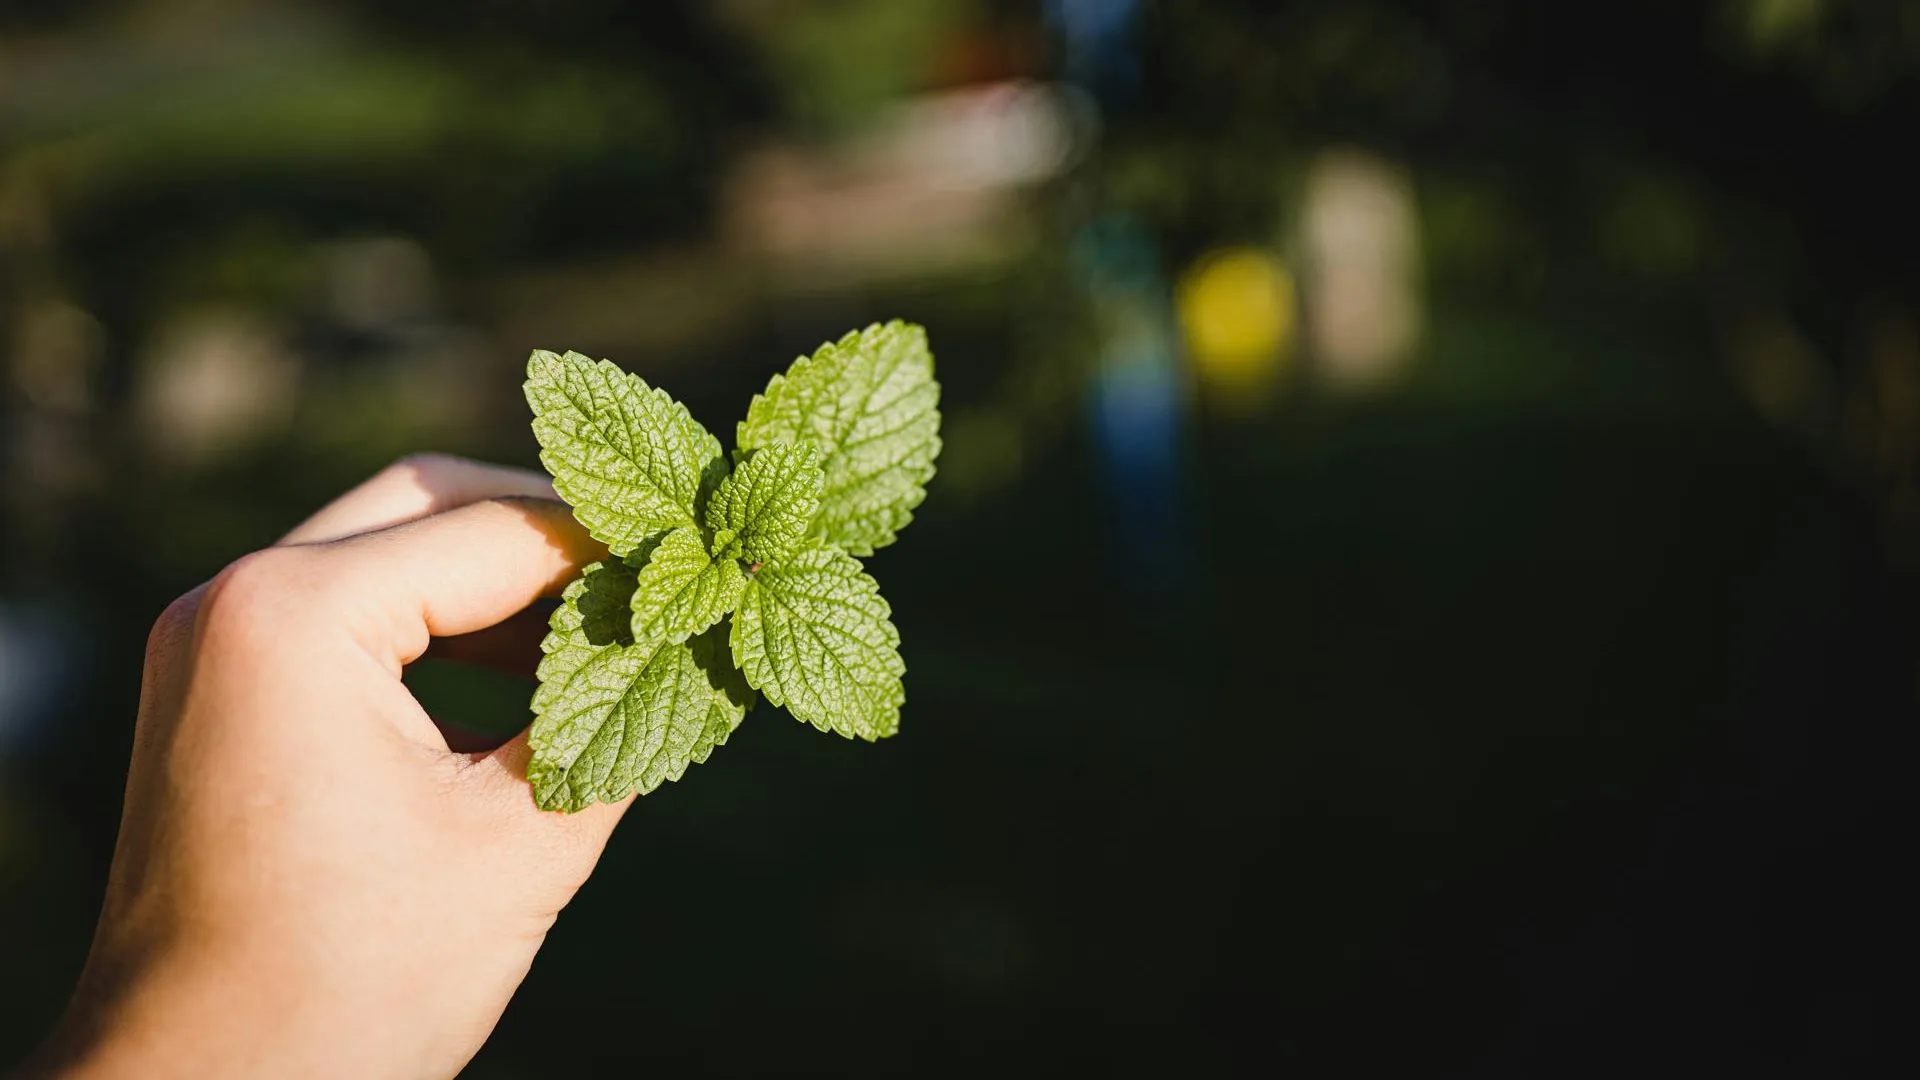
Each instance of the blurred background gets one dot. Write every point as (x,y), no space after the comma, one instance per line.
(1421,574)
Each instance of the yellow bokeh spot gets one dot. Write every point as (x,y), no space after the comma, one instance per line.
(1236,310)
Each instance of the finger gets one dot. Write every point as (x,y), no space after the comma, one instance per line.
(512,646)
(460,572)
(414,487)
(453,573)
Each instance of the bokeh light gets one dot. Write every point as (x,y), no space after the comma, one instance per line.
(1238,317)
(1361,243)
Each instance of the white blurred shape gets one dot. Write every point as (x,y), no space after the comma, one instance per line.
(57,350)
(989,136)
(213,380)
(1362,272)
(377,283)
(931,184)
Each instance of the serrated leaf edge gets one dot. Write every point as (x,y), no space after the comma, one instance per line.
(677,412)
(802,368)
(775,692)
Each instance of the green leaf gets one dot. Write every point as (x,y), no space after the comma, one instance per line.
(682,591)
(869,403)
(769,501)
(630,460)
(611,717)
(815,635)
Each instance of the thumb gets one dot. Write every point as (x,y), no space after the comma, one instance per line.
(459,572)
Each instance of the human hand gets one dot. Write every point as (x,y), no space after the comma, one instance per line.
(308,881)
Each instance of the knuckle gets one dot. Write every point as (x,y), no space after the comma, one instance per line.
(175,624)
(256,588)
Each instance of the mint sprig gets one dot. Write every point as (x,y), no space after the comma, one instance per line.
(642,674)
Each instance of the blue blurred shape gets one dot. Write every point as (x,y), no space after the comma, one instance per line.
(1137,396)
(1100,44)
(36,660)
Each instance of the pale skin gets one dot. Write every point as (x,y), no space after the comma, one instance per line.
(309,882)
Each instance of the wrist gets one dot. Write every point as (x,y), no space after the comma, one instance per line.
(185,1015)
(152,1020)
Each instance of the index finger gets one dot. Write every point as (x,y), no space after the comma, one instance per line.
(416,486)
(456,572)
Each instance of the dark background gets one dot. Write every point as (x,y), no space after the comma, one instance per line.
(1421,575)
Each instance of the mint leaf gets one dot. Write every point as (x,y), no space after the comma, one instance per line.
(681,591)
(612,717)
(814,634)
(870,404)
(630,460)
(769,501)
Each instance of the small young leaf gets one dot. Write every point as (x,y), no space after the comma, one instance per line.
(681,591)
(815,635)
(611,717)
(630,460)
(869,403)
(769,501)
